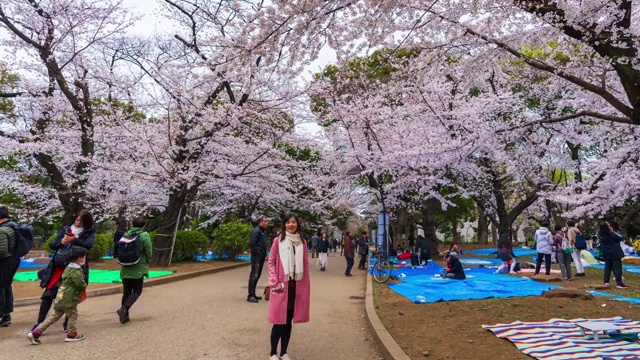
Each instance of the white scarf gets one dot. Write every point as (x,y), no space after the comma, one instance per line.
(291,253)
(76,230)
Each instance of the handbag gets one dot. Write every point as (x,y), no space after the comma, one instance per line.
(267,292)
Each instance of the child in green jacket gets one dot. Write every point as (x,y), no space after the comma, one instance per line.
(67,299)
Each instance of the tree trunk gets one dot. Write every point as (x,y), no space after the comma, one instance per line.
(455,235)
(428,223)
(483,227)
(494,234)
(164,236)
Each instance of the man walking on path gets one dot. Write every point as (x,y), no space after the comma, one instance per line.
(134,261)
(315,241)
(8,266)
(349,252)
(258,255)
(363,249)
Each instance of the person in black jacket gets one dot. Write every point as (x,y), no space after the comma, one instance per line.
(612,254)
(422,246)
(323,252)
(81,234)
(8,266)
(258,255)
(363,250)
(454,269)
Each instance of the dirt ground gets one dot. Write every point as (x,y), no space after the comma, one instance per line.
(452,330)
(32,289)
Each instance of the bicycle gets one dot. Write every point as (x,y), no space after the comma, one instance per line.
(381,270)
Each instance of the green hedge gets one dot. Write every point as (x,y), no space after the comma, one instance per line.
(233,238)
(100,246)
(188,244)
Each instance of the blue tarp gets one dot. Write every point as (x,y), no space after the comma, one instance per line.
(478,285)
(210,255)
(630,268)
(616,297)
(494,251)
(478,261)
(31,263)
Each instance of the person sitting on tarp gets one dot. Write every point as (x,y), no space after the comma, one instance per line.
(399,249)
(508,262)
(454,269)
(455,249)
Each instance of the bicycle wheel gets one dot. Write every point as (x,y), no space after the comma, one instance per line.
(381,271)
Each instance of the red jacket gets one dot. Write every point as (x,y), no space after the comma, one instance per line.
(349,248)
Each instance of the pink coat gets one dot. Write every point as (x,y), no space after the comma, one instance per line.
(278,300)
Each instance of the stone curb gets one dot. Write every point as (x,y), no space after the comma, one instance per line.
(151,282)
(388,346)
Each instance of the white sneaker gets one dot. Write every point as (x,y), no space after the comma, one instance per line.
(285,357)
(274,357)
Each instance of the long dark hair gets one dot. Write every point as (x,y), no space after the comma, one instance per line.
(604,228)
(86,219)
(283,231)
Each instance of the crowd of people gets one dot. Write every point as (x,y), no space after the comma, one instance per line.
(65,279)
(567,242)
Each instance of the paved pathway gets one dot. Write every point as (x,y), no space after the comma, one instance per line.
(206,318)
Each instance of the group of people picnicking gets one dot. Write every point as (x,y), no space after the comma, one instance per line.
(66,277)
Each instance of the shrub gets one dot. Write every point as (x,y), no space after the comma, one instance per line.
(188,244)
(99,249)
(232,238)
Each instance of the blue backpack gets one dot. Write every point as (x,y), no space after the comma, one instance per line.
(581,243)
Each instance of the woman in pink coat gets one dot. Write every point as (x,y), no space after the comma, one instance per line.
(290,285)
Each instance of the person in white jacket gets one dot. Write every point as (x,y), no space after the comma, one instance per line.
(544,246)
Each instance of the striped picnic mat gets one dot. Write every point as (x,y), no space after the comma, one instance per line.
(560,339)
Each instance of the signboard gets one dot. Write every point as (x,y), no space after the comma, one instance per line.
(383,229)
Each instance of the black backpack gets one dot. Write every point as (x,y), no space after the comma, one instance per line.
(24,239)
(129,251)
(62,258)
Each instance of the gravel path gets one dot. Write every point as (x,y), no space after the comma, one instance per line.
(207,318)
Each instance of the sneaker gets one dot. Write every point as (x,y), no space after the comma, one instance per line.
(274,357)
(123,315)
(621,286)
(6,321)
(259,297)
(74,337)
(252,299)
(285,357)
(607,284)
(34,337)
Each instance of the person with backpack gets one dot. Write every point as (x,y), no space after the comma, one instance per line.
(612,254)
(563,255)
(363,250)
(8,266)
(579,243)
(544,246)
(134,254)
(81,234)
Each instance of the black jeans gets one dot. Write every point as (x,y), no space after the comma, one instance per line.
(363,261)
(616,266)
(131,291)
(349,266)
(257,262)
(547,263)
(8,268)
(283,331)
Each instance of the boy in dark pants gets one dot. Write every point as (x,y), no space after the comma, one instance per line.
(134,269)
(67,298)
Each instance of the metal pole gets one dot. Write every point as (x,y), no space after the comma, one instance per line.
(175,232)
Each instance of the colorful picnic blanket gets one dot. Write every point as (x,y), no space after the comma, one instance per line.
(560,339)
